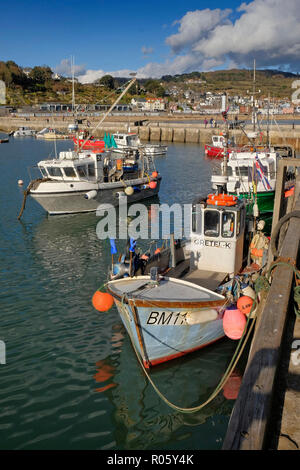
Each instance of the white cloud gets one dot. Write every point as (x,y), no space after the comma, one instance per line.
(267,30)
(194,25)
(91,75)
(65,68)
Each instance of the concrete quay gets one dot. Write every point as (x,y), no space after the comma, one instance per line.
(183,132)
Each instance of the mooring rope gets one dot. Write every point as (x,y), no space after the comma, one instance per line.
(236,356)
(27,191)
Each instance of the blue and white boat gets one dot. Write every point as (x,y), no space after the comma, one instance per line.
(169,302)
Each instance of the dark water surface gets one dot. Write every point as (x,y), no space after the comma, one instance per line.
(71,379)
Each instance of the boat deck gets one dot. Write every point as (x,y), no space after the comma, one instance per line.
(207,279)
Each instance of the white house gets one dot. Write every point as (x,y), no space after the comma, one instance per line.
(155,104)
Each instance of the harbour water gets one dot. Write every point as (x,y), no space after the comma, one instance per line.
(71,378)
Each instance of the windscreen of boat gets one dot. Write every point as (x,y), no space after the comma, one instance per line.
(81,169)
(272,171)
(242,171)
(69,172)
(91,169)
(43,171)
(211,223)
(227,224)
(54,171)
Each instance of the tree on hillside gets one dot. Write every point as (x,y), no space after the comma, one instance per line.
(154,87)
(41,74)
(107,81)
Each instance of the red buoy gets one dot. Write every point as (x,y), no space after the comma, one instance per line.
(152,184)
(234,322)
(102,301)
(244,304)
(154,174)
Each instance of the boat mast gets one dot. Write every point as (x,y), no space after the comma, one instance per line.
(253,99)
(73,83)
(225,160)
(268,124)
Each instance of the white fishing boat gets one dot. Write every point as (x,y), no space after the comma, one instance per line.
(81,181)
(174,302)
(178,300)
(131,141)
(24,132)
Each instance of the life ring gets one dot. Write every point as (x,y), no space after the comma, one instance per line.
(221,200)
(222,197)
(221,203)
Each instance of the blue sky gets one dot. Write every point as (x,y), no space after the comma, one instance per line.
(108,37)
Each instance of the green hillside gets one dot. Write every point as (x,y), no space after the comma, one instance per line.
(38,85)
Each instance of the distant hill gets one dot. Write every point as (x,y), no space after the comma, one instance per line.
(27,86)
(236,81)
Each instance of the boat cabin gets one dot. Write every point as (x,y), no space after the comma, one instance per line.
(127,140)
(85,166)
(218,141)
(244,167)
(217,234)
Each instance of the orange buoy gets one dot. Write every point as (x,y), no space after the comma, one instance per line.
(152,184)
(154,174)
(102,301)
(244,304)
(234,322)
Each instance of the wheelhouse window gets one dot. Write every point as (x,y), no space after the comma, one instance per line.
(272,172)
(54,171)
(242,171)
(229,171)
(69,172)
(91,169)
(81,169)
(227,224)
(43,171)
(211,223)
